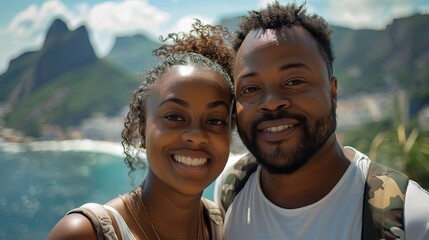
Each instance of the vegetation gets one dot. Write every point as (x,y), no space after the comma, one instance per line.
(393,144)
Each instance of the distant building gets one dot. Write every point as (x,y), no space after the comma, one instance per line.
(363,108)
(101,127)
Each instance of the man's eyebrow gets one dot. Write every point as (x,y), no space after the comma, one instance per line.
(250,74)
(293,65)
(175,100)
(282,68)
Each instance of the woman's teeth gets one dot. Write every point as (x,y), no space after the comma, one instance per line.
(194,162)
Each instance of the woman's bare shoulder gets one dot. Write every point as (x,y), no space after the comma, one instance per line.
(73,226)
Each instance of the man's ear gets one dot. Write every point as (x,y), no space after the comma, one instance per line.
(334,86)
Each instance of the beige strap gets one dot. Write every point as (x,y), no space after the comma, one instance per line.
(216,217)
(99,218)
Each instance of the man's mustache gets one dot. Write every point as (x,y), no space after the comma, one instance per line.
(269,116)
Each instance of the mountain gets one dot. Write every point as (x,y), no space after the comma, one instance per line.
(62,83)
(396,57)
(63,50)
(134,53)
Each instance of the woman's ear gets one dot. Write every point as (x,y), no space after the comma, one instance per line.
(142,131)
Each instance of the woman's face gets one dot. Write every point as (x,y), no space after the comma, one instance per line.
(187,128)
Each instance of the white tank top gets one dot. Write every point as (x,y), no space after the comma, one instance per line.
(123,227)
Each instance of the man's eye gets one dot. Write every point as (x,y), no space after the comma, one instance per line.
(294,82)
(173,117)
(216,122)
(249,89)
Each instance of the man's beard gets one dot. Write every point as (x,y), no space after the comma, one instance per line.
(280,162)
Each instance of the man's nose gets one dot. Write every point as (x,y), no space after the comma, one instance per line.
(274,101)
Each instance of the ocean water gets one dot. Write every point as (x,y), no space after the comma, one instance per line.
(38,185)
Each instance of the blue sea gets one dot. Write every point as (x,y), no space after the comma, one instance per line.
(41,182)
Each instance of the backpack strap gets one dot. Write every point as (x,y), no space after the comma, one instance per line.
(216,218)
(99,218)
(236,177)
(383,206)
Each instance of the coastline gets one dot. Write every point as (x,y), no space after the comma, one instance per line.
(82,145)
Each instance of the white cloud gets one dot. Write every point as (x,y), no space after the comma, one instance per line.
(184,24)
(120,18)
(104,20)
(374,14)
(366,13)
(33,20)
(263,3)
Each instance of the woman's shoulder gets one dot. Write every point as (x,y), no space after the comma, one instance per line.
(89,221)
(73,226)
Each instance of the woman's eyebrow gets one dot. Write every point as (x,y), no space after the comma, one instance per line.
(175,100)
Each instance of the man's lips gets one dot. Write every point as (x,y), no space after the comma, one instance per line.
(276,125)
(277,130)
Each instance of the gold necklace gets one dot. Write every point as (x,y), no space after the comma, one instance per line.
(134,217)
(201,223)
(147,214)
(200,220)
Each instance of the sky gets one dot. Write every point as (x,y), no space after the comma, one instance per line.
(23,23)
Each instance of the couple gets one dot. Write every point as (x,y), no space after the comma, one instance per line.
(305,184)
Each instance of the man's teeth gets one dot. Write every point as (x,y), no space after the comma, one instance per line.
(190,161)
(278,128)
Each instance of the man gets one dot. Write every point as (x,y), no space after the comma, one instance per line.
(307,185)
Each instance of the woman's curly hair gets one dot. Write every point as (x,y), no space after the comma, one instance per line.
(205,46)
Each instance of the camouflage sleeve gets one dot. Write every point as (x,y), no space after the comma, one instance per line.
(233,180)
(384,203)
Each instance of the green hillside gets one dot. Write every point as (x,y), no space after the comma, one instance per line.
(73,96)
(17,70)
(134,53)
(379,60)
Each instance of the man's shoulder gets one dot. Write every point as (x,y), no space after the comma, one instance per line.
(416,202)
(416,212)
(234,178)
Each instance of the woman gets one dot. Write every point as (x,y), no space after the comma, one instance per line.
(181,115)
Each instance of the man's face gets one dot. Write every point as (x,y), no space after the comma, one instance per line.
(285,99)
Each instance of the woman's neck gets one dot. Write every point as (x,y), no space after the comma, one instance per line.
(173,214)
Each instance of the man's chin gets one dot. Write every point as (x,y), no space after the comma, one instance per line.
(281,162)
(279,169)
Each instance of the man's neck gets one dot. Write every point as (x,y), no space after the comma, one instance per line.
(311,182)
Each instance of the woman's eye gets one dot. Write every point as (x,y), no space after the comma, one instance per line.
(173,117)
(216,122)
